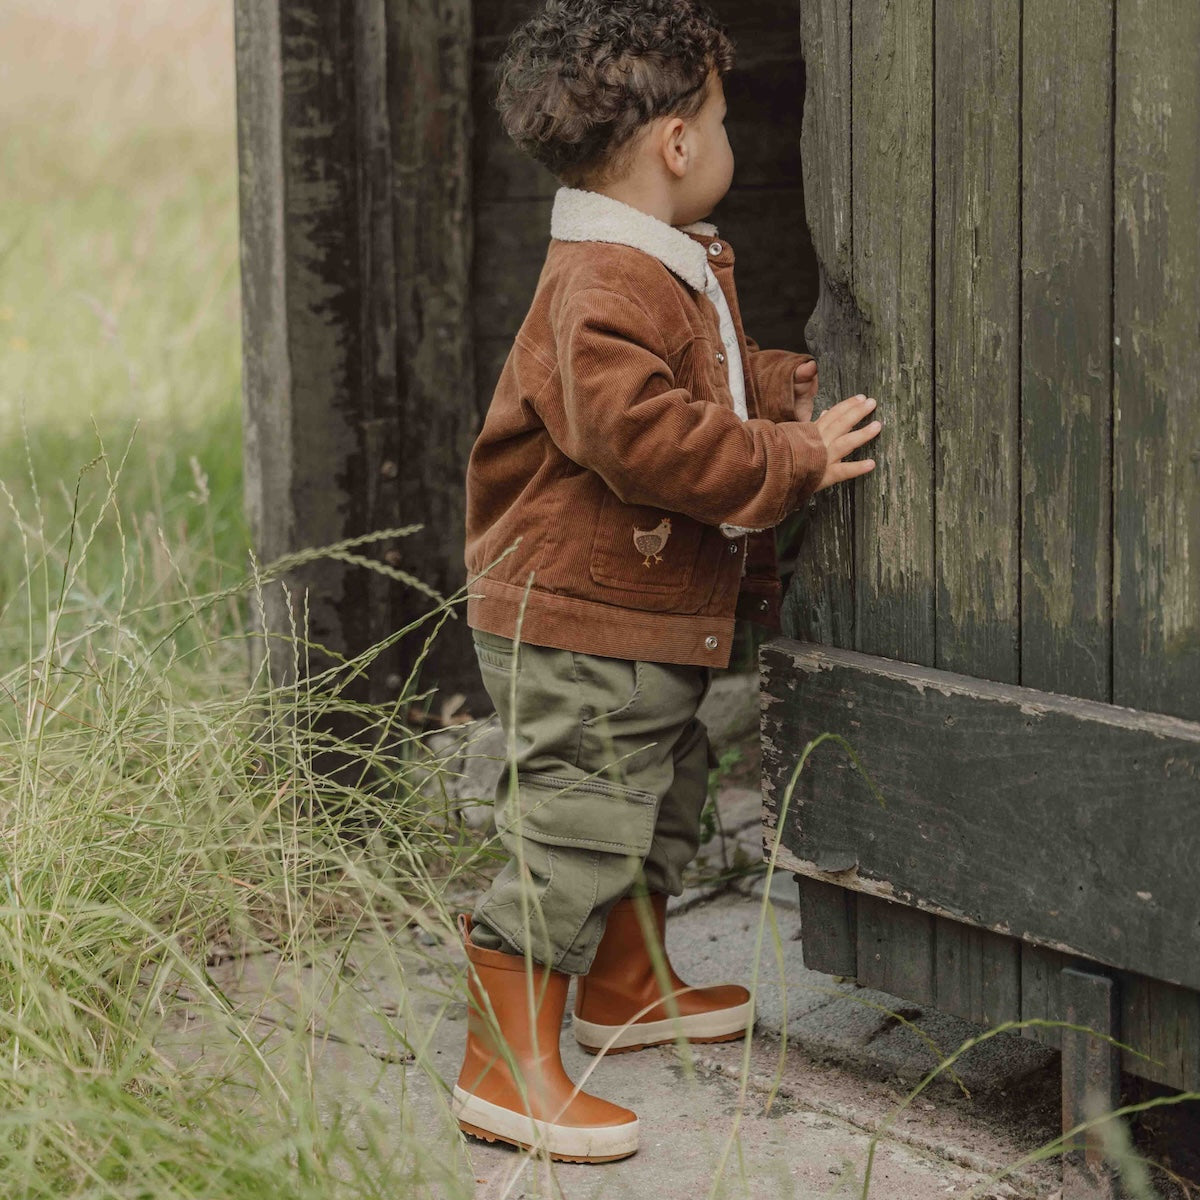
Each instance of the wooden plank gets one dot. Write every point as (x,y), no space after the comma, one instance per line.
(976,319)
(1041,992)
(1156,481)
(1061,821)
(1066,336)
(891,139)
(895,949)
(977,973)
(820,601)
(828,927)
(1163,1022)
(976,316)
(1090,1081)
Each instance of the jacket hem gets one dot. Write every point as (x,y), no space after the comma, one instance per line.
(590,627)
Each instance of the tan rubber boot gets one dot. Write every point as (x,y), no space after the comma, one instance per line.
(537,1107)
(622,982)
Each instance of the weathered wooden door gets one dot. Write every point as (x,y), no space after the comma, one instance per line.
(1005,200)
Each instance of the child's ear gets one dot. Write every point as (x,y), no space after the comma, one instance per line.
(674,145)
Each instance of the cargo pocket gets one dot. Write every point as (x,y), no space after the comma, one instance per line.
(647,554)
(581,813)
(577,845)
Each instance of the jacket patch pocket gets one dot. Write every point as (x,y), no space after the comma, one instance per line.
(648,553)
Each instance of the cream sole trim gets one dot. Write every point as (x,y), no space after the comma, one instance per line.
(699,1027)
(590,1143)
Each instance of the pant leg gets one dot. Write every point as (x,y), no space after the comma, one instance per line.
(592,756)
(677,830)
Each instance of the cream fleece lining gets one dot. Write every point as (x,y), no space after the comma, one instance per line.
(580,216)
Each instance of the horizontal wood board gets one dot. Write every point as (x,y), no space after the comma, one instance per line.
(1067,823)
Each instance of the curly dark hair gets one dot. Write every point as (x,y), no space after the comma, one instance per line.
(580,78)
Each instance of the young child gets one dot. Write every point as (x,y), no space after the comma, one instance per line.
(638,453)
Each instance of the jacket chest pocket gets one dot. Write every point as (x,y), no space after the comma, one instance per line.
(649,555)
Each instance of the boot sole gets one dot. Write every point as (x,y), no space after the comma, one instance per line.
(723,1025)
(564,1143)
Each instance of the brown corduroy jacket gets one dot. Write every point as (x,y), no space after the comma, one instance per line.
(611,454)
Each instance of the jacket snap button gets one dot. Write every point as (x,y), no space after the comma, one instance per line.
(764,605)
(715,249)
(733,548)
(710,642)
(720,357)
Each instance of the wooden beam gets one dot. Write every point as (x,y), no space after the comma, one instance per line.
(1063,822)
(434,414)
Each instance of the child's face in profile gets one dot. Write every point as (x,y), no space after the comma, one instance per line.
(710,167)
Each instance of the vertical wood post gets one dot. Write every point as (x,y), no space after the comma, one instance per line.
(1090,1080)
(819,605)
(828,926)
(353,131)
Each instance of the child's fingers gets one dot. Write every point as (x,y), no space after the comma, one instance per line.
(839,472)
(846,414)
(849,442)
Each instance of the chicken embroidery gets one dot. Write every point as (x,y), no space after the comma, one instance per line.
(650,541)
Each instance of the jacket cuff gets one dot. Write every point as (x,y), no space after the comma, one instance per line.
(774,372)
(809,460)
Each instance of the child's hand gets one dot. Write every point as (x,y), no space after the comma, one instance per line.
(837,428)
(804,389)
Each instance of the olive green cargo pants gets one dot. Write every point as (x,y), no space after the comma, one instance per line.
(607,778)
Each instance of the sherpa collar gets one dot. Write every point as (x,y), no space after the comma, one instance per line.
(580,216)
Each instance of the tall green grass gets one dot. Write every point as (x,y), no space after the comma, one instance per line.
(158,807)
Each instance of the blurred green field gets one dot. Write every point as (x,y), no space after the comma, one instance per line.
(119,297)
